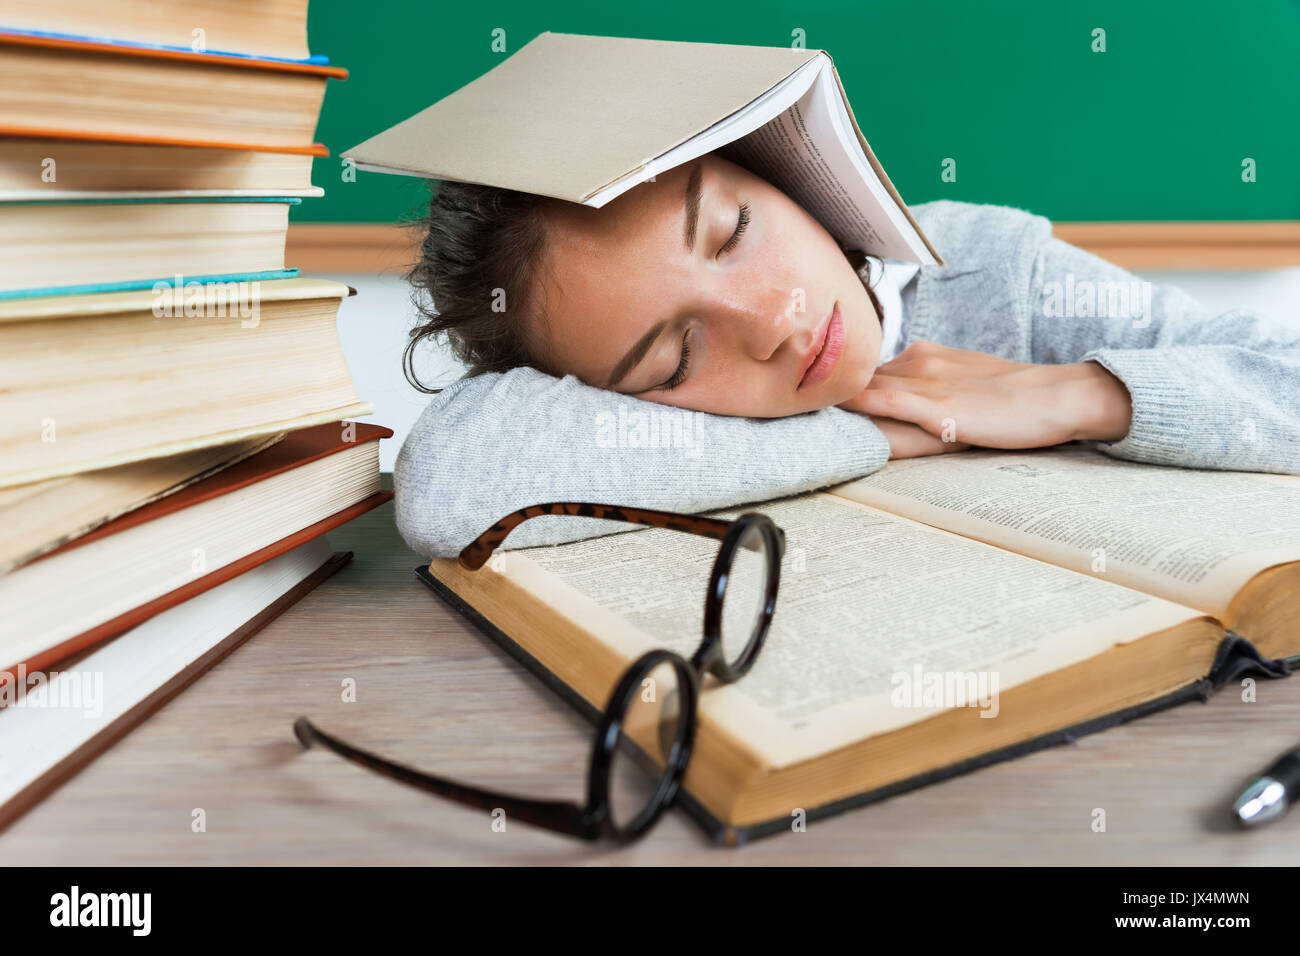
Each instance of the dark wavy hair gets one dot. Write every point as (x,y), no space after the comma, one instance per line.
(480,246)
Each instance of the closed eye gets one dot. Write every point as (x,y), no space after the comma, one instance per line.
(679,375)
(741,223)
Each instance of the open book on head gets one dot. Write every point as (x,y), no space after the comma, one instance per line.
(935,616)
(586,118)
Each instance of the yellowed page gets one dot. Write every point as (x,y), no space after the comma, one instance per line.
(40,516)
(1194,536)
(865,597)
(167,384)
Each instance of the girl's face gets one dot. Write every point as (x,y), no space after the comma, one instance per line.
(658,295)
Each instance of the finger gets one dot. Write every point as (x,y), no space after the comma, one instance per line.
(907,440)
(911,383)
(897,362)
(901,403)
(919,349)
(950,356)
(889,379)
(926,346)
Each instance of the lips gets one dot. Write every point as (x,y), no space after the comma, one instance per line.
(828,346)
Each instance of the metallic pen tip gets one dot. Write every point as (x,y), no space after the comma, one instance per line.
(1263,800)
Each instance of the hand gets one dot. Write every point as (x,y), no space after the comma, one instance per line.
(912,441)
(968,396)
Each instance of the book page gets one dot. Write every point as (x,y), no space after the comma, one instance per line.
(38,517)
(811,152)
(799,137)
(1194,536)
(867,602)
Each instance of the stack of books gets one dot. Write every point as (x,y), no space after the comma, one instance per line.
(174,402)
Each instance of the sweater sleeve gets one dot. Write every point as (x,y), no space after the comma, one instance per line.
(1208,391)
(489,445)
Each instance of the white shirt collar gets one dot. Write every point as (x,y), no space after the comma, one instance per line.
(888,290)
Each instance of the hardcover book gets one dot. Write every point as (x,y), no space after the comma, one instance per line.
(84,163)
(137,238)
(938,615)
(155,556)
(98,380)
(276,29)
(140,93)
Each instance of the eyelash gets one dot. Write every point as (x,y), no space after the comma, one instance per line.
(740,229)
(678,376)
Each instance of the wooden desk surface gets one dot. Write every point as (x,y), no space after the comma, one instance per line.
(434,692)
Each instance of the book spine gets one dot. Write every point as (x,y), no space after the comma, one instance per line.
(1237,656)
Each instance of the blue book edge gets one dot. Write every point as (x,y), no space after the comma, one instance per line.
(131,285)
(316,59)
(113,201)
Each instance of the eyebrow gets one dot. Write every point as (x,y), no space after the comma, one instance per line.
(637,352)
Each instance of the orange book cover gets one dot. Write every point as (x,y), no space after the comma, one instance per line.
(36,132)
(161,53)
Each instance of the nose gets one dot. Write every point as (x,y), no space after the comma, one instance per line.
(761,324)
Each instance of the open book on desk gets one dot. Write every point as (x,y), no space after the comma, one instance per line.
(938,615)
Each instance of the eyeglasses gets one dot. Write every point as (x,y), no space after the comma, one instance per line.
(646,733)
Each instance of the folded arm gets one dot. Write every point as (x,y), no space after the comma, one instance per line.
(1207,391)
(489,445)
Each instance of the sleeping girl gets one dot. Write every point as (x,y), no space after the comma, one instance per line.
(804,364)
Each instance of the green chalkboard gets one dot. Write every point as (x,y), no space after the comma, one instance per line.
(1158,126)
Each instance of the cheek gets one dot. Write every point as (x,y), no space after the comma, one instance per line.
(723,384)
(866,351)
(869,327)
(788,247)
(799,242)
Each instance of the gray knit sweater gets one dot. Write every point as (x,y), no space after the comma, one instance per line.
(1208,391)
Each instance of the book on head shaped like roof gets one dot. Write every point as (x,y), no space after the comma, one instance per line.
(586,118)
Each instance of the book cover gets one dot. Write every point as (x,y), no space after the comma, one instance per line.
(586,118)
